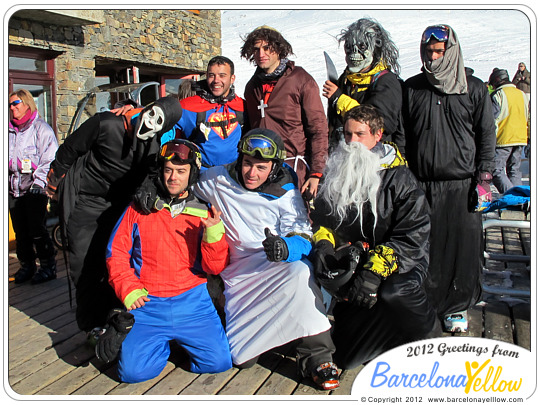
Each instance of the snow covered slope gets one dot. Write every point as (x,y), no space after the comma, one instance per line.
(489,37)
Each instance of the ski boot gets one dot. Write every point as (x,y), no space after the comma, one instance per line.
(46,272)
(326,376)
(25,273)
(457,322)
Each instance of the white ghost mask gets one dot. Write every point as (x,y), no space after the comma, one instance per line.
(150,123)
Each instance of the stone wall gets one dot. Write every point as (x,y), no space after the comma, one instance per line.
(177,39)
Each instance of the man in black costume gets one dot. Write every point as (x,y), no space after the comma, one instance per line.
(97,170)
(371,231)
(371,77)
(450,147)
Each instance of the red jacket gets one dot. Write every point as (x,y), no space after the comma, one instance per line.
(166,256)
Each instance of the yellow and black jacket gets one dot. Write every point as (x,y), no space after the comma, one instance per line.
(402,227)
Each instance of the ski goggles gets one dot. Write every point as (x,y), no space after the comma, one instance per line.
(180,151)
(439,32)
(15,102)
(266,147)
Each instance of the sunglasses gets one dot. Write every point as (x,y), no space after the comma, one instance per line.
(262,145)
(439,32)
(15,102)
(179,150)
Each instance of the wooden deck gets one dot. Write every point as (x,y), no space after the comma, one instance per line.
(48,355)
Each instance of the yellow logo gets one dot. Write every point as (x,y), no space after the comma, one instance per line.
(488,381)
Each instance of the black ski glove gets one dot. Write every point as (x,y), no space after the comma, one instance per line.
(146,195)
(319,256)
(275,247)
(364,289)
(119,324)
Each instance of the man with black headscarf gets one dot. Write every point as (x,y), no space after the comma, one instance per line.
(450,147)
(371,77)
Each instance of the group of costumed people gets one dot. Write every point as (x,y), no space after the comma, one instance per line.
(382,214)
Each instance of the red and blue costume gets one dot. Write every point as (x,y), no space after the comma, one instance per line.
(214,125)
(165,256)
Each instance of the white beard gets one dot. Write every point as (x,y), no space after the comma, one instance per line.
(351,179)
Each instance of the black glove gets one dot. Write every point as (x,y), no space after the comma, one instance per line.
(319,256)
(119,324)
(364,289)
(275,247)
(146,195)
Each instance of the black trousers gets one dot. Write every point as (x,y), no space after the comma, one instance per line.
(89,227)
(311,352)
(402,314)
(456,246)
(28,218)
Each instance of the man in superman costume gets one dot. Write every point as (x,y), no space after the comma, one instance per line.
(213,118)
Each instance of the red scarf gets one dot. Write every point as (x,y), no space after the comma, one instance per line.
(20,123)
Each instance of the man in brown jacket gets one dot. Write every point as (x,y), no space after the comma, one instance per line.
(285,98)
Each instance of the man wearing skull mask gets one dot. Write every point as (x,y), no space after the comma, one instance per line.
(95,173)
(371,77)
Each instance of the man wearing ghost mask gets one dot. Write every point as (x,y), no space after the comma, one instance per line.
(94,176)
(371,77)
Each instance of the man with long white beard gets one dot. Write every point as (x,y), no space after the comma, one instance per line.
(371,229)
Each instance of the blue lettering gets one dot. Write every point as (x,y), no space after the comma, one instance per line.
(433,372)
(421,381)
(381,377)
(393,381)
(377,374)
(414,378)
(461,381)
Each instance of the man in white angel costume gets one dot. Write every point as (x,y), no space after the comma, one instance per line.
(271,296)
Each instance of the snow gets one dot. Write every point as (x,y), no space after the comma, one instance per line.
(489,38)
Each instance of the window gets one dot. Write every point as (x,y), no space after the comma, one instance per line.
(33,70)
(173,84)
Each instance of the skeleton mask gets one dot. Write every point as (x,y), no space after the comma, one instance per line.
(359,49)
(158,118)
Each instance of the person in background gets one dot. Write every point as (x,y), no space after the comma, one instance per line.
(371,77)
(450,148)
(185,89)
(522,80)
(157,266)
(32,146)
(511,108)
(285,98)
